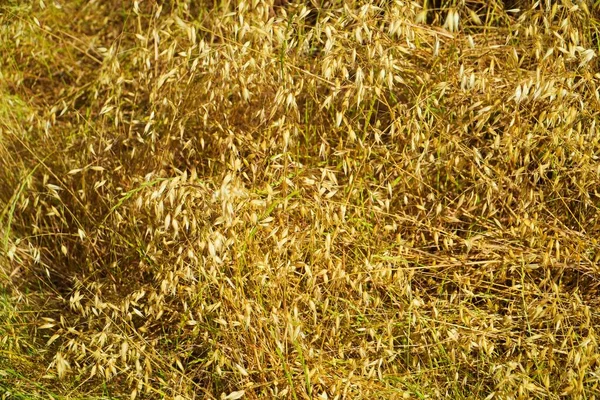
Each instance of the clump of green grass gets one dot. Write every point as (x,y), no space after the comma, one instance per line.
(248,199)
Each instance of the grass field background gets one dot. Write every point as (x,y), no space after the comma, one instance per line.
(336,200)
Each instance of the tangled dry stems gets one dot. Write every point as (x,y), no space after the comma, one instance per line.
(367,200)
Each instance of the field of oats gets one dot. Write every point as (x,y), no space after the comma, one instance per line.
(299,200)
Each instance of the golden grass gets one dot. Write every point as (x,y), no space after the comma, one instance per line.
(363,200)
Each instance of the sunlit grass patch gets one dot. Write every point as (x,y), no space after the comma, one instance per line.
(262,199)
